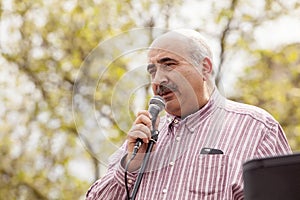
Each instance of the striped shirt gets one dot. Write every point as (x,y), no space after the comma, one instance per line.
(178,170)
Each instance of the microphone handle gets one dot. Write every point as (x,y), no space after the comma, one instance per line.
(137,145)
(144,164)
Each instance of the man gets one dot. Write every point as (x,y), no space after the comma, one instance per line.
(204,138)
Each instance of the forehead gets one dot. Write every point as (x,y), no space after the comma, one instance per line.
(170,45)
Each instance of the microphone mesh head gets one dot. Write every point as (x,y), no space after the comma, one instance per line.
(159,101)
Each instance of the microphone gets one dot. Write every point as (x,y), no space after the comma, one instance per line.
(156,105)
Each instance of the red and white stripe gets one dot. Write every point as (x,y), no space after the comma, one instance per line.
(178,171)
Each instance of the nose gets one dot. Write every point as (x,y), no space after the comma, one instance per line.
(159,78)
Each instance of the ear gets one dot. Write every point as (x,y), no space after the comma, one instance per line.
(207,66)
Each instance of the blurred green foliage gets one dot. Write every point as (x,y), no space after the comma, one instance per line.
(273,83)
(43,45)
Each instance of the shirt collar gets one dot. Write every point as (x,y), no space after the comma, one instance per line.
(216,100)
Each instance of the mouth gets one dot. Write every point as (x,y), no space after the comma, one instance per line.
(166,91)
(168,96)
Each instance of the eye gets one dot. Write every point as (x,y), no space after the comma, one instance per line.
(169,66)
(151,69)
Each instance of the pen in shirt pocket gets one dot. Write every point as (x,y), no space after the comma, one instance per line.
(211,151)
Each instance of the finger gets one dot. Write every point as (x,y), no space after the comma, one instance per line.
(139,131)
(139,128)
(143,112)
(137,134)
(143,119)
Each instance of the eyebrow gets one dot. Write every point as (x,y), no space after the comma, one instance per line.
(166,59)
(160,61)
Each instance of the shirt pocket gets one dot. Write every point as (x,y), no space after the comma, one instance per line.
(208,177)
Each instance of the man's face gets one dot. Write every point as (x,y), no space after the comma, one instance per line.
(174,77)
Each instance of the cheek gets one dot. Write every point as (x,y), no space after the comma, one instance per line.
(153,88)
(192,80)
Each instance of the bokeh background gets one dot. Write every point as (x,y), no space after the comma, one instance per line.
(55,67)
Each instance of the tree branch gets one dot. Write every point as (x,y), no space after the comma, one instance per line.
(224,35)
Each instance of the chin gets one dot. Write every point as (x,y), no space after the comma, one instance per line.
(173,108)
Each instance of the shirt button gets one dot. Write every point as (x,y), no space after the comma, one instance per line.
(192,130)
(164,191)
(172,163)
(130,181)
(176,121)
(177,138)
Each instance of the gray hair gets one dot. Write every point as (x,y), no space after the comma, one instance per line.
(199,47)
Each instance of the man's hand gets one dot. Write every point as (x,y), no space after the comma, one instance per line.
(141,128)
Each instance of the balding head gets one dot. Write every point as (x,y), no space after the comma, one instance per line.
(188,43)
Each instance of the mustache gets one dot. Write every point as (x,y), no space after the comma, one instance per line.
(165,88)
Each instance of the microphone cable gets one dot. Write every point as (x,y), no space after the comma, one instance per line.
(135,150)
(156,105)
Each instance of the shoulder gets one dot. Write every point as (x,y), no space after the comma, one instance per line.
(250,111)
(242,110)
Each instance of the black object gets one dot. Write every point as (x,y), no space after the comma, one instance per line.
(272,178)
(210,151)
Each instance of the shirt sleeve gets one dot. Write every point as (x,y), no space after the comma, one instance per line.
(274,142)
(111,185)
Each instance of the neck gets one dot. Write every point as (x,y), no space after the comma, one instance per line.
(208,89)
